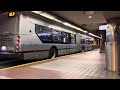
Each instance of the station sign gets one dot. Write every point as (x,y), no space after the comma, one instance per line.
(102,27)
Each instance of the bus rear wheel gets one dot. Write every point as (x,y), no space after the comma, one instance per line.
(53,53)
(83,49)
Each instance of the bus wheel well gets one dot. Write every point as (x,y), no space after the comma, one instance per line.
(83,47)
(54,47)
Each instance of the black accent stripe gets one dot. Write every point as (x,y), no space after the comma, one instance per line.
(36,50)
(65,48)
(41,50)
(32,51)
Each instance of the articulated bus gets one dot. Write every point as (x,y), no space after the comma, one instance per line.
(28,36)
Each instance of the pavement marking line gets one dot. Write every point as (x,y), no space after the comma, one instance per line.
(42,61)
(28,64)
(4,77)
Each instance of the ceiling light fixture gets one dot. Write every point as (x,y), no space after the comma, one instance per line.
(89,16)
(37,12)
(77,28)
(55,19)
(47,15)
(94,35)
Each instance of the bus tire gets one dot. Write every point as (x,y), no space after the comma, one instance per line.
(53,53)
(83,49)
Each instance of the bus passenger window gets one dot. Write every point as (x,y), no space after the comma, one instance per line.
(90,42)
(87,41)
(64,39)
(44,33)
(57,36)
(81,41)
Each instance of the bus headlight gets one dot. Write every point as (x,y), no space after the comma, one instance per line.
(3,48)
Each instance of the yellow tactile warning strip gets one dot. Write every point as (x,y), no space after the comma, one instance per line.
(42,61)
(3,77)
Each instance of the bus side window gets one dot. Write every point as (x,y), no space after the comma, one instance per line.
(57,36)
(44,33)
(83,41)
(87,41)
(66,37)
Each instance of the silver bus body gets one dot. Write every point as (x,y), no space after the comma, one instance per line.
(31,46)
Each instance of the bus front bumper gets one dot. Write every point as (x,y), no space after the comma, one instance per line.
(11,55)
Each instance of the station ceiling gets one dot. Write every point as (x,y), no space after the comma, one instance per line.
(83,19)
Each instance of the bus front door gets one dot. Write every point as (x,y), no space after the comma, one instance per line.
(67,43)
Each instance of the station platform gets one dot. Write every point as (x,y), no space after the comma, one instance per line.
(84,65)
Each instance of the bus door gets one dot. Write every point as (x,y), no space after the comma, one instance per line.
(87,44)
(66,41)
(73,45)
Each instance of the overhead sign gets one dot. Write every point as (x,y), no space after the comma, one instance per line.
(102,27)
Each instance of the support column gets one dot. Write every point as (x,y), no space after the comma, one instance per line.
(112,49)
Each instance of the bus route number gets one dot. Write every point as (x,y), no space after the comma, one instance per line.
(11,14)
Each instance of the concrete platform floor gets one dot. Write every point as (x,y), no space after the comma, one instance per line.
(86,65)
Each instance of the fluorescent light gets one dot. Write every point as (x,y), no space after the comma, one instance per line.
(44,14)
(94,35)
(85,31)
(47,15)
(90,33)
(89,16)
(80,30)
(37,12)
(67,24)
(70,25)
(55,19)
(50,17)
(77,28)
